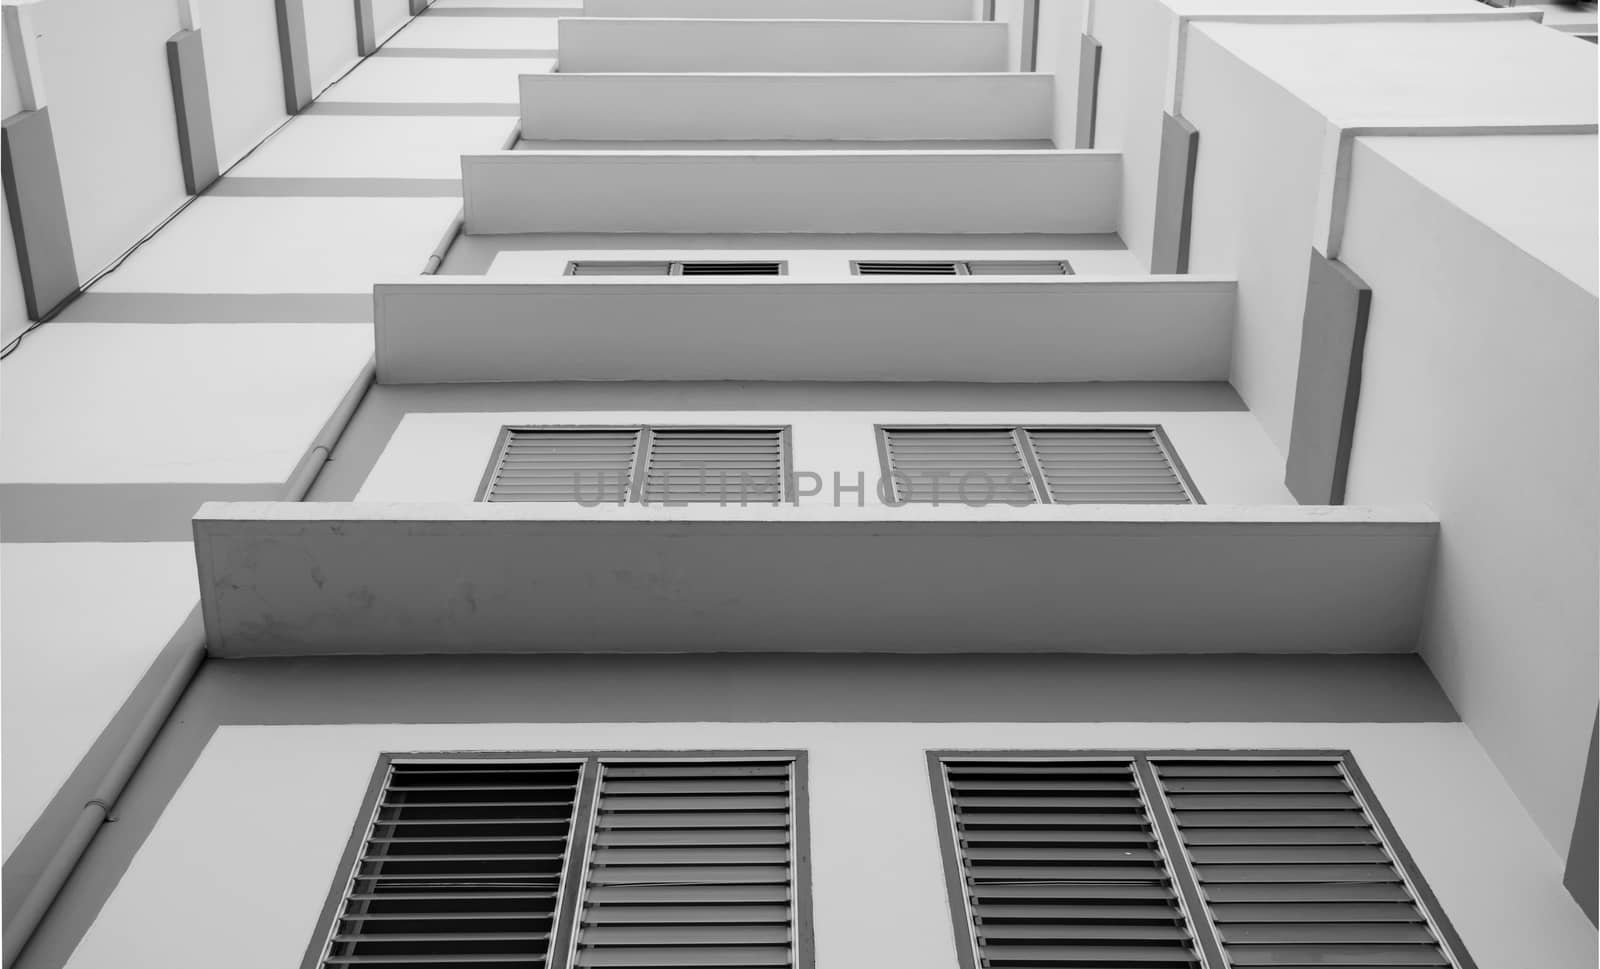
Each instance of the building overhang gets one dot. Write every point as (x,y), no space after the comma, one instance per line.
(450,329)
(285,578)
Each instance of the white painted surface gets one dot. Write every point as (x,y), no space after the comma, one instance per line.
(791,191)
(69,667)
(330,39)
(225,244)
(243,73)
(878,886)
(10,91)
(433,79)
(481,33)
(780,9)
(884,107)
(1496,72)
(222,403)
(1255,211)
(388,16)
(116,143)
(823,46)
(1010,13)
(1060,50)
(341,146)
(296,578)
(1478,396)
(13,308)
(1038,329)
(443,457)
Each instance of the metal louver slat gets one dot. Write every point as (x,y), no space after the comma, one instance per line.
(1324,891)
(537,464)
(957,465)
(1106,466)
(1060,865)
(452,872)
(885,268)
(613,268)
(681,877)
(731,268)
(729,466)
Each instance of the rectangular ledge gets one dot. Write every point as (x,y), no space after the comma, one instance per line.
(795,107)
(781,9)
(444,329)
(898,191)
(597,44)
(289,578)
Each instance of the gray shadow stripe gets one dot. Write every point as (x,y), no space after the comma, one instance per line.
(112,307)
(339,187)
(545,12)
(114,512)
(466,53)
(440,109)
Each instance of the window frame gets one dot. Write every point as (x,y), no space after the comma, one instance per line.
(574,874)
(1208,943)
(1041,488)
(641,457)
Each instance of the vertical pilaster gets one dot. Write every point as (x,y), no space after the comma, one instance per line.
(1583,869)
(366,28)
(38,208)
(292,54)
(1088,90)
(1180,152)
(1333,336)
(191,101)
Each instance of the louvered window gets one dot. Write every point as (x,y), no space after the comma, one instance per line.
(669,465)
(676,268)
(1015,465)
(1179,860)
(967,267)
(685,861)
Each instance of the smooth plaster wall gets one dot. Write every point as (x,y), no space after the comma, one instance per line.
(330,40)
(387,16)
(1134,65)
(68,670)
(13,308)
(243,72)
(1061,25)
(1255,198)
(878,888)
(10,95)
(110,97)
(1457,311)
(442,457)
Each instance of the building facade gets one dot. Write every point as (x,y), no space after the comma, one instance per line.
(1120,489)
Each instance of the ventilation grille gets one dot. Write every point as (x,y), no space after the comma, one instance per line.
(581,464)
(727,466)
(1061,867)
(1291,867)
(970,267)
(673,268)
(597,465)
(1019,465)
(691,865)
(462,864)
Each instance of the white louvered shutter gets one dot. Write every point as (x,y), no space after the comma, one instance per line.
(728,465)
(691,865)
(612,268)
(905,268)
(1061,866)
(1018,267)
(1106,466)
(577,464)
(462,865)
(954,465)
(1291,867)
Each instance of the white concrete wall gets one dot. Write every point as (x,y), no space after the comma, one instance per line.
(442,457)
(330,40)
(800,263)
(388,16)
(110,97)
(878,888)
(1255,213)
(1478,397)
(243,72)
(13,308)
(1061,25)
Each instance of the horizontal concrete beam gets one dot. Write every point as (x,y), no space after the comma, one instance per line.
(280,578)
(780,9)
(792,191)
(444,329)
(867,107)
(592,44)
